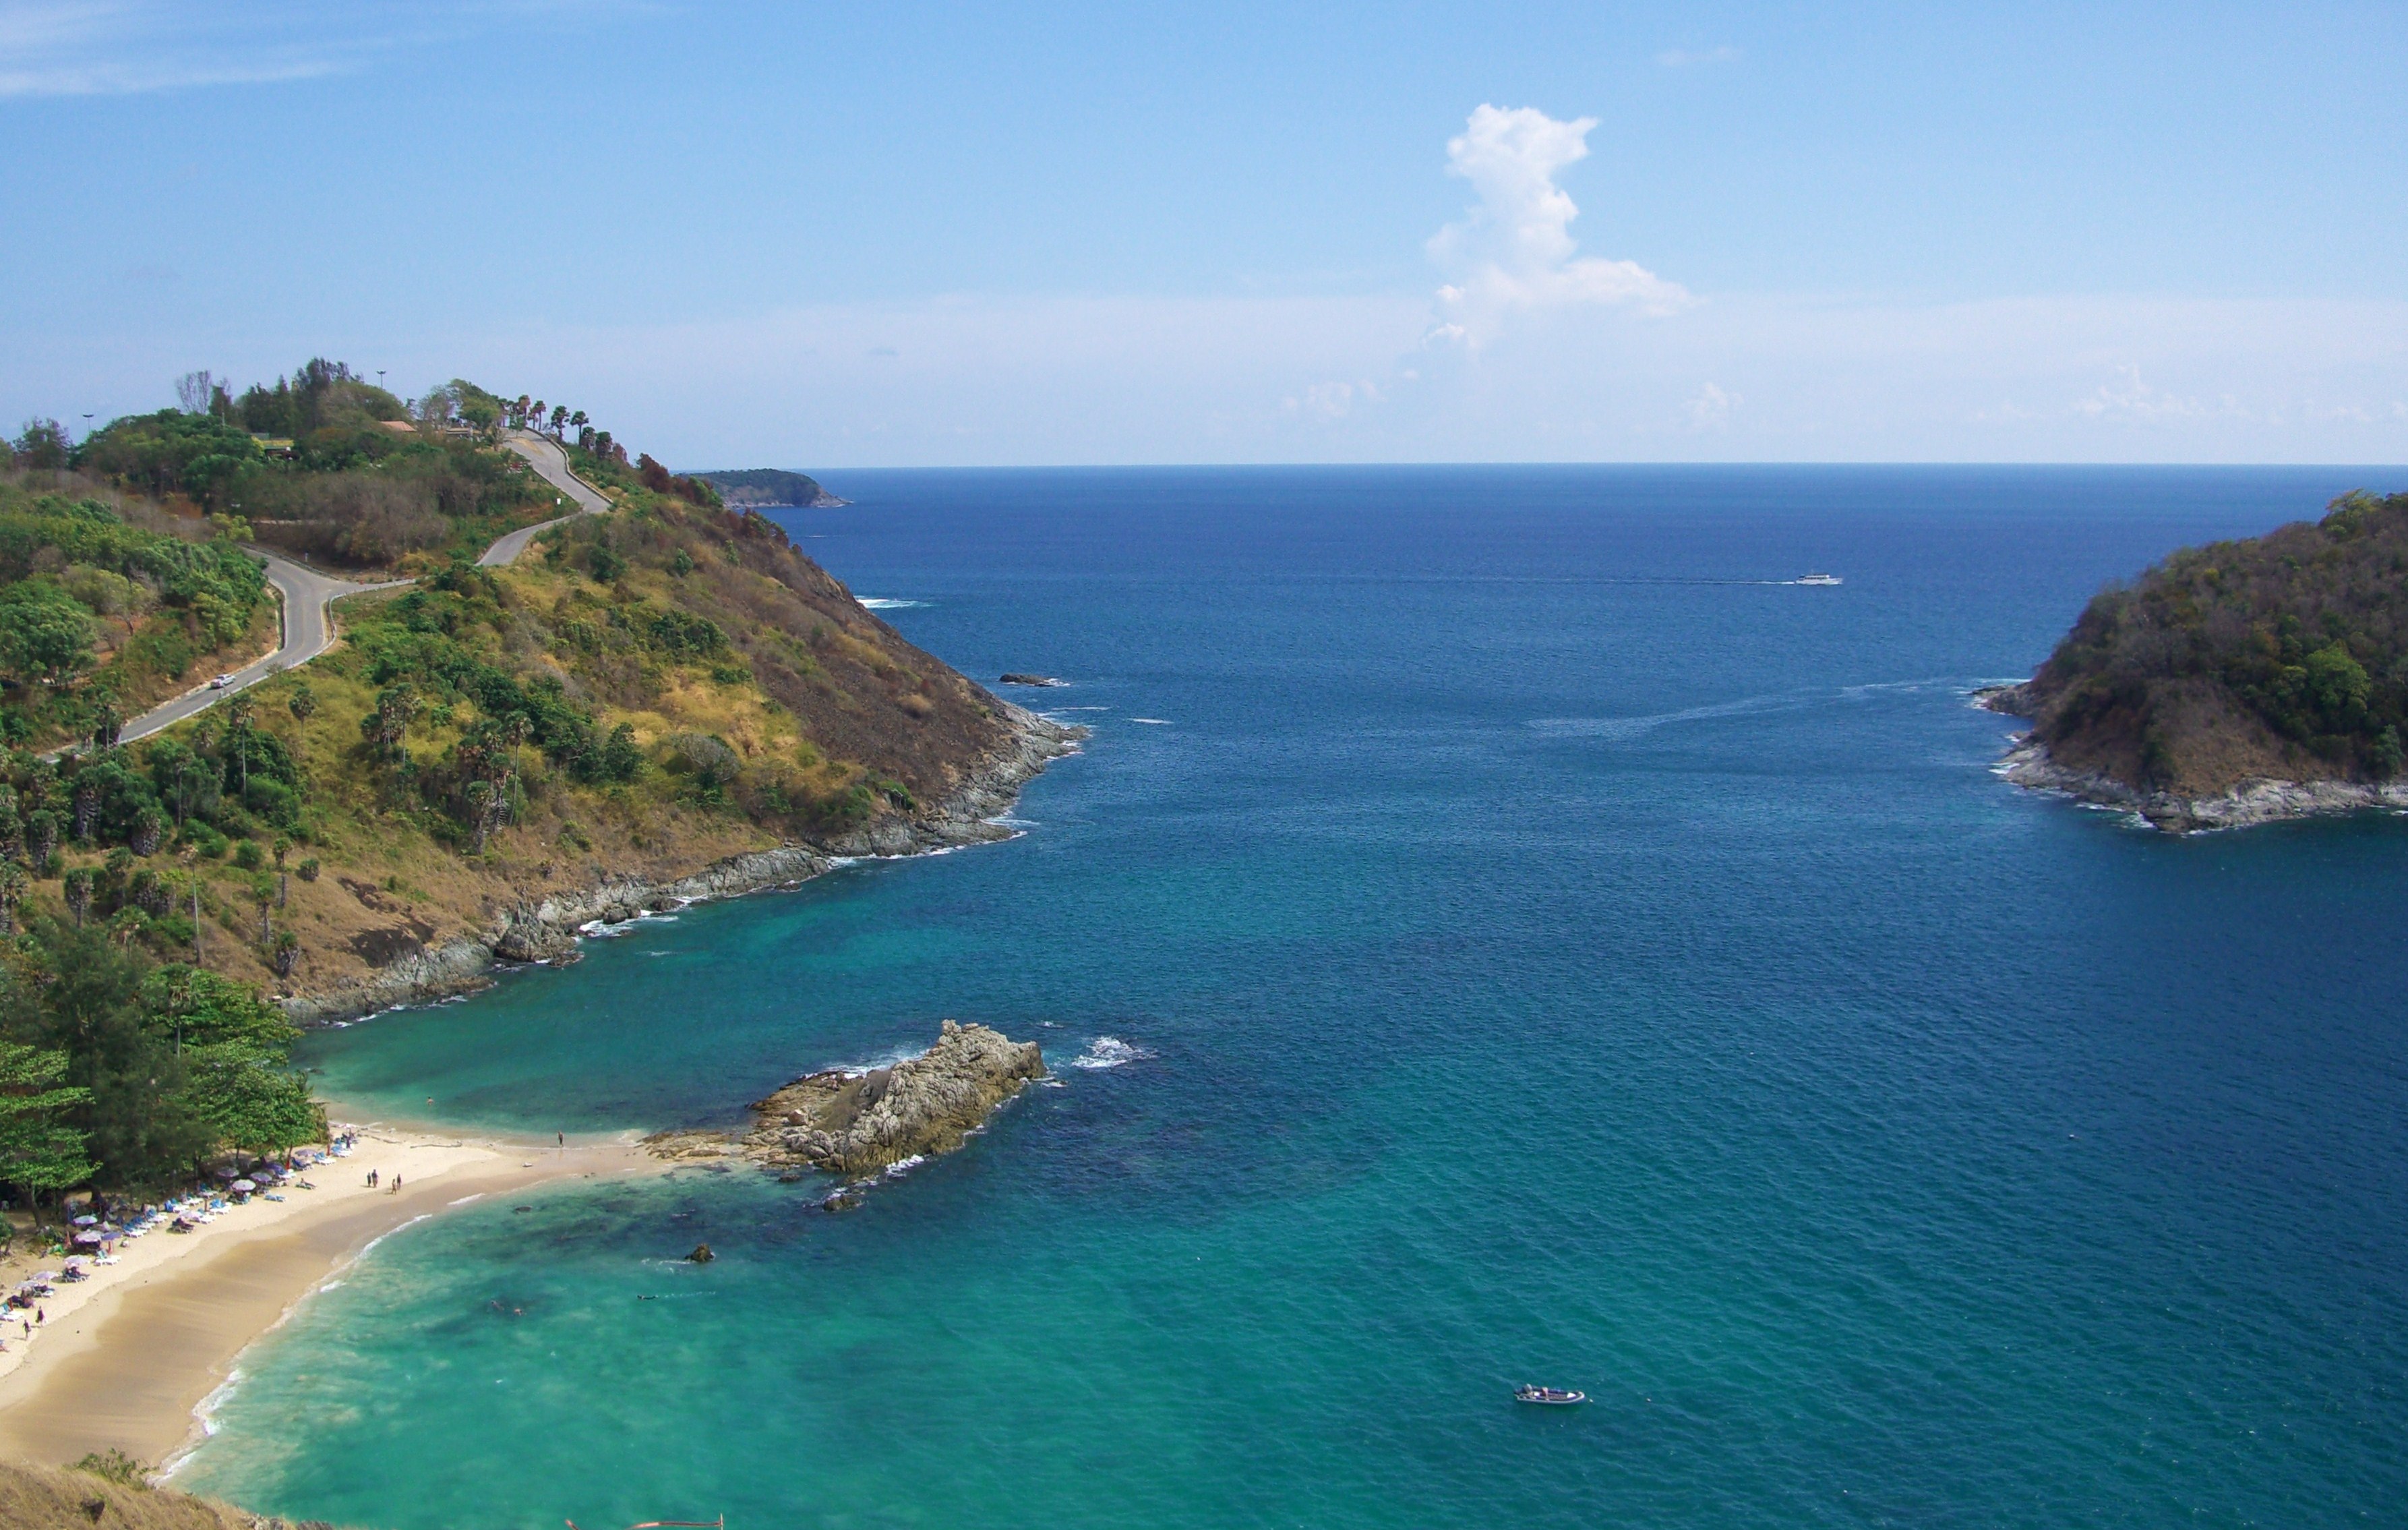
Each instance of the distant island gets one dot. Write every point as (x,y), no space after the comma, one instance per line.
(760,488)
(2234,683)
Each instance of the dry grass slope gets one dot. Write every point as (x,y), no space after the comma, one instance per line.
(55,1498)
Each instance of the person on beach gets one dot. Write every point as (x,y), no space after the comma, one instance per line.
(397,1186)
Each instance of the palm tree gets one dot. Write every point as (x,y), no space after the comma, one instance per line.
(76,887)
(12,893)
(192,857)
(239,712)
(283,881)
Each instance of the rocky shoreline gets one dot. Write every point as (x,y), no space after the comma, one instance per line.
(2029,764)
(856,1123)
(547,930)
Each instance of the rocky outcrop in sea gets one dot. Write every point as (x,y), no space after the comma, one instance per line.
(856,1123)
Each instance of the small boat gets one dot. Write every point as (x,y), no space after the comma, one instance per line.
(1549,1396)
(1817,579)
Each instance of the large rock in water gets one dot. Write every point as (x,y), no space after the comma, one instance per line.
(858,1123)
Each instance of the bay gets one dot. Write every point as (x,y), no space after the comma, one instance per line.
(1532,940)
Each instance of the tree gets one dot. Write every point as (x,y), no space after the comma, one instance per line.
(191,857)
(239,713)
(187,782)
(13,886)
(282,847)
(252,1102)
(303,701)
(39,1149)
(43,443)
(139,1121)
(288,954)
(397,705)
(46,634)
(559,421)
(77,889)
(196,391)
(235,1045)
(41,836)
(107,724)
(263,892)
(191,1006)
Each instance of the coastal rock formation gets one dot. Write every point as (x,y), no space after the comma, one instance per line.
(2234,683)
(2029,764)
(1019,678)
(858,1123)
(546,931)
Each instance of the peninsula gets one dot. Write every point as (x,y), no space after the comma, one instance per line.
(570,685)
(559,686)
(2234,683)
(770,488)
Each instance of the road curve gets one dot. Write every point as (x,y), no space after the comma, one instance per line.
(308,632)
(550,465)
(310,596)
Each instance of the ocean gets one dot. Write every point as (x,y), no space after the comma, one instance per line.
(1499,930)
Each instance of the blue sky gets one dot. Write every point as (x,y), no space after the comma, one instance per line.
(824,236)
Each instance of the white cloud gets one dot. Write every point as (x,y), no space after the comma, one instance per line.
(1680,58)
(1710,410)
(1513,249)
(129,47)
(2127,397)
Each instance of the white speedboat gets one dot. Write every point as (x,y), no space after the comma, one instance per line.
(1817,579)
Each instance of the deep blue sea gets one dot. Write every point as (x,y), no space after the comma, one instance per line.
(1535,942)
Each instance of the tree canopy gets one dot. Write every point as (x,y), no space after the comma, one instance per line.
(2286,652)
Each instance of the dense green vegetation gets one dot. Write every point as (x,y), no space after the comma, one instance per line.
(74,572)
(2299,638)
(648,689)
(118,1072)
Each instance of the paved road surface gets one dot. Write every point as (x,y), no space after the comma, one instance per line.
(308,632)
(308,622)
(552,465)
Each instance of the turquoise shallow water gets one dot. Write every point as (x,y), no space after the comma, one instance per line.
(1548,954)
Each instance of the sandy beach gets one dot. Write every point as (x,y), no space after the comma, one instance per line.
(126,1356)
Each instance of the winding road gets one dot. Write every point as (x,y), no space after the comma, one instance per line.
(550,465)
(310,596)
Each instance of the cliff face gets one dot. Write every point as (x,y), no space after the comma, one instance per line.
(2262,671)
(855,1124)
(667,701)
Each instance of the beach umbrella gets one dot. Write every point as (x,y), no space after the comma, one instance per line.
(227,1172)
(244,1185)
(86,1220)
(86,1238)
